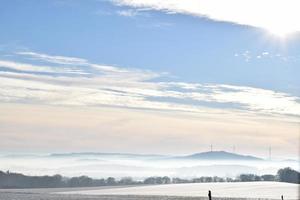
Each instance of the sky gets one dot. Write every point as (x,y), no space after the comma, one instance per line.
(149,76)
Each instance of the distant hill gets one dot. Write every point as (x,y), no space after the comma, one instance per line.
(96,154)
(219,155)
(211,155)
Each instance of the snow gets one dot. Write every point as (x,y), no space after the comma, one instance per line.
(272,190)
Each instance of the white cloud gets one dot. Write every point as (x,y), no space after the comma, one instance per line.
(265,53)
(75,65)
(256,99)
(101,85)
(128,13)
(53,59)
(38,68)
(279,17)
(248,56)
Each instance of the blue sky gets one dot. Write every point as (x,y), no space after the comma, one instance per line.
(191,48)
(146,56)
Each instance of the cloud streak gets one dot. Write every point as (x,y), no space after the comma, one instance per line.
(279,17)
(128,13)
(75,81)
(53,59)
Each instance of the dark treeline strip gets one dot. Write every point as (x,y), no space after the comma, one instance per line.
(17,180)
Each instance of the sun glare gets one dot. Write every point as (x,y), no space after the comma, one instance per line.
(281,30)
(282,27)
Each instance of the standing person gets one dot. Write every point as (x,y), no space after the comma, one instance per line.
(209,194)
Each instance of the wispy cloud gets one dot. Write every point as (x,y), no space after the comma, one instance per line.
(25,67)
(128,12)
(53,59)
(255,13)
(100,85)
(248,56)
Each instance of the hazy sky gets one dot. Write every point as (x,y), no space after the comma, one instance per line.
(149,76)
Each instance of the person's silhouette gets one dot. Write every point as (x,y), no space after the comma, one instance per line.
(209,194)
(281,197)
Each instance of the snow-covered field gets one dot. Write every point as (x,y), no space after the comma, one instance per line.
(272,190)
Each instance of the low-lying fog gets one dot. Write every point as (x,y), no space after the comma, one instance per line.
(136,166)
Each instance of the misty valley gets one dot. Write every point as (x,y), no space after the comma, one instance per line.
(140,166)
(105,176)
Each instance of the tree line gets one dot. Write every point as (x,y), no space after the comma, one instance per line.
(17,180)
